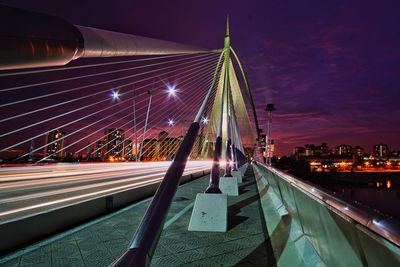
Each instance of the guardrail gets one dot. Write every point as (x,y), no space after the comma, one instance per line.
(342,234)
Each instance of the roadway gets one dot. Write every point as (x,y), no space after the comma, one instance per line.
(25,191)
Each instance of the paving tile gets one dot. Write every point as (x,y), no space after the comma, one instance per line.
(13,263)
(67,261)
(169,260)
(202,263)
(39,257)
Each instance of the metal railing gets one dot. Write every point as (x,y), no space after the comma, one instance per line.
(341,233)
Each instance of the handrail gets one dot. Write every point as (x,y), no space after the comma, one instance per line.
(388,228)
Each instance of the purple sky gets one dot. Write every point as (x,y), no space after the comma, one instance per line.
(331,67)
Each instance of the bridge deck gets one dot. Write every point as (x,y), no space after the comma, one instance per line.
(249,241)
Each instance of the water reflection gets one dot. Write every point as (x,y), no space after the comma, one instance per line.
(380,194)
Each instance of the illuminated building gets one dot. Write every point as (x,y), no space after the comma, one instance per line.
(128,146)
(148,149)
(343,150)
(299,151)
(270,153)
(309,150)
(98,149)
(380,150)
(163,148)
(54,144)
(166,146)
(114,142)
(358,151)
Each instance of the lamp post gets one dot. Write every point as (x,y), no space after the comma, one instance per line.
(145,125)
(269,108)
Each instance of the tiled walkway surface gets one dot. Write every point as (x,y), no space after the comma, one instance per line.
(242,245)
(100,242)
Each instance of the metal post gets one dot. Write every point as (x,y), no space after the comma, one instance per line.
(235,158)
(228,154)
(145,125)
(228,167)
(234,155)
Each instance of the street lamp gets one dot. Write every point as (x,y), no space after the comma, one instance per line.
(269,108)
(115,95)
(204,120)
(170,122)
(171,89)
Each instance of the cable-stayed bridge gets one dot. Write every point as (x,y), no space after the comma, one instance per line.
(92,121)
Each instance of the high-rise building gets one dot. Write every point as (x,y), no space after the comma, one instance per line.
(263,141)
(128,146)
(343,150)
(309,150)
(166,147)
(149,150)
(322,150)
(98,149)
(358,151)
(54,144)
(163,148)
(380,150)
(299,151)
(114,142)
(270,153)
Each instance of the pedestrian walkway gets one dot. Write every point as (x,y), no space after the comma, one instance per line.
(247,242)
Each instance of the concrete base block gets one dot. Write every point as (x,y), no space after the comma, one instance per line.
(210,213)
(238,176)
(229,186)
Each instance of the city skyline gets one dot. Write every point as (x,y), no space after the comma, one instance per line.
(336,83)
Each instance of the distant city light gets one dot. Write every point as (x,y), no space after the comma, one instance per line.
(171,89)
(115,95)
(171,122)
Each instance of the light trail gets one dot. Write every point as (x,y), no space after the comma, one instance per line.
(26,191)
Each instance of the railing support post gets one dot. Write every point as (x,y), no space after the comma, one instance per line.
(214,178)
(228,167)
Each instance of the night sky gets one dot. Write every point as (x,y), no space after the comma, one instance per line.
(330,67)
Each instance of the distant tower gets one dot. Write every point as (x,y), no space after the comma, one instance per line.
(114,142)
(31,148)
(54,144)
(269,109)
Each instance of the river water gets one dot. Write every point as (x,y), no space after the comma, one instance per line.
(377,191)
